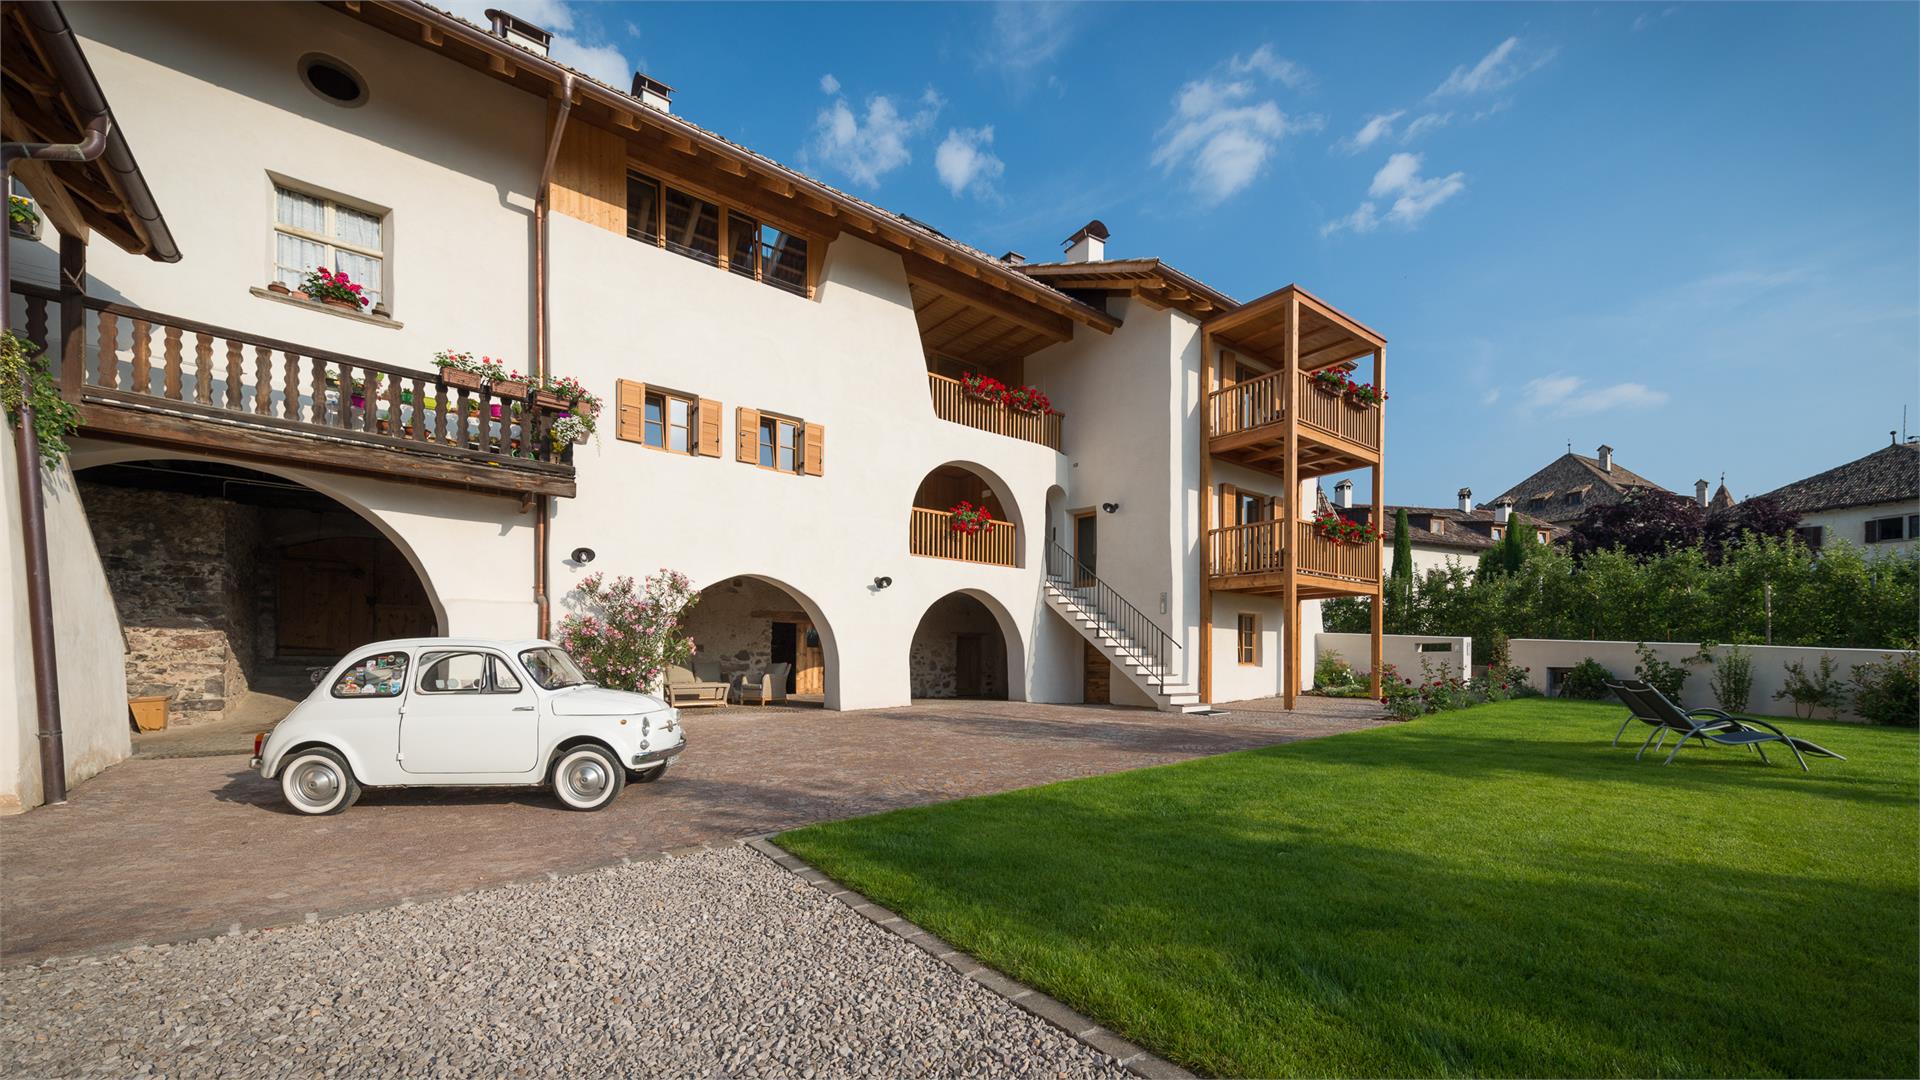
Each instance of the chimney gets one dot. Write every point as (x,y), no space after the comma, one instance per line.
(1606,458)
(1700,493)
(1466,500)
(1343,494)
(652,92)
(1014,258)
(1089,244)
(519,31)
(1502,511)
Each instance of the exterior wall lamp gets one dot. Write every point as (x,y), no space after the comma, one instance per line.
(1110,508)
(882,582)
(582,555)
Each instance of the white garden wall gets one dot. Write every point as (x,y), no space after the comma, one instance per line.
(1451,655)
(1769,666)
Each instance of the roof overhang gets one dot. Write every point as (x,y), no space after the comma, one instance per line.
(947,263)
(1150,279)
(49,95)
(1328,335)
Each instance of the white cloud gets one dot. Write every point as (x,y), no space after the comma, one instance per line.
(575,44)
(1570,395)
(829,84)
(1364,219)
(1024,37)
(1490,397)
(867,148)
(1221,135)
(1425,123)
(1646,19)
(1414,196)
(1376,128)
(964,162)
(1262,62)
(1508,63)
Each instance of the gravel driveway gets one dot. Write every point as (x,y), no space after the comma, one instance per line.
(709,964)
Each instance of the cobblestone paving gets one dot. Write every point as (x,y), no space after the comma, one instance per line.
(158,850)
(715,964)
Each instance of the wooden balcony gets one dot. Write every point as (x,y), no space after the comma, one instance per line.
(949,403)
(930,534)
(1249,426)
(141,376)
(1252,558)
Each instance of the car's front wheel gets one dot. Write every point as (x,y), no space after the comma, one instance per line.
(317,781)
(650,775)
(587,778)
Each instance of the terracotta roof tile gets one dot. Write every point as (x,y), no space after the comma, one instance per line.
(1889,474)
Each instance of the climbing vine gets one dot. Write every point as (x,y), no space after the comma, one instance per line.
(24,379)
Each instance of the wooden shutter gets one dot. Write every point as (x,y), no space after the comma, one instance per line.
(1229,505)
(630,410)
(708,443)
(746,435)
(813,451)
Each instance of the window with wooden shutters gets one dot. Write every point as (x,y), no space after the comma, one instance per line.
(813,454)
(630,401)
(746,435)
(707,418)
(670,422)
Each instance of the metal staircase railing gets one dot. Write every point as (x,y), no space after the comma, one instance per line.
(1135,636)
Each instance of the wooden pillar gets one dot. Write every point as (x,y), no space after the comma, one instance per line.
(1290,474)
(1379,524)
(1205,683)
(73,286)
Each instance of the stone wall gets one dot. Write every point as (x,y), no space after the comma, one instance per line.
(932,658)
(724,627)
(182,569)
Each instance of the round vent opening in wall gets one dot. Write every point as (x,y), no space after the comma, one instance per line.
(333,79)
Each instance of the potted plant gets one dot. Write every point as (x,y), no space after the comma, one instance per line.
(333,288)
(1364,395)
(1333,381)
(23,219)
(462,371)
(1331,527)
(968,519)
(984,387)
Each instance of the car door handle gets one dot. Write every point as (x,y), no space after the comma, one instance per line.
(523,708)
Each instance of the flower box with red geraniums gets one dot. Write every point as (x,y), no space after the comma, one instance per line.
(1021,399)
(462,371)
(1337,381)
(1333,528)
(968,519)
(333,287)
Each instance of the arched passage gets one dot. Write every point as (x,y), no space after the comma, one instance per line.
(749,625)
(966,646)
(232,583)
(933,531)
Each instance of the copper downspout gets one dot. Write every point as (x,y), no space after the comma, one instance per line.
(542,503)
(33,506)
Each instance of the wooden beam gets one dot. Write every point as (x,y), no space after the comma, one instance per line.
(431,35)
(943,280)
(56,203)
(500,65)
(1290,476)
(682,144)
(1206,517)
(1379,525)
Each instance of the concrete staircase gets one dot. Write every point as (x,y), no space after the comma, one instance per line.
(1146,655)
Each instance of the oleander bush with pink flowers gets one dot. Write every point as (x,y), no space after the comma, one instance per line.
(625,634)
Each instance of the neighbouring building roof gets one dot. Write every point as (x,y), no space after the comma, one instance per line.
(1722,498)
(1446,526)
(1570,484)
(1889,474)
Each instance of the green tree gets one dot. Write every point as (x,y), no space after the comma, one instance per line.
(1400,578)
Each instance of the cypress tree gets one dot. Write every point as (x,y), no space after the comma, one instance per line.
(1400,578)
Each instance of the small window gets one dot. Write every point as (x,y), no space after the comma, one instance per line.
(780,445)
(456,673)
(552,668)
(333,80)
(1881,530)
(669,421)
(311,231)
(743,245)
(693,226)
(504,680)
(1497,532)
(382,675)
(1810,535)
(1248,634)
(1252,508)
(643,208)
(1434,646)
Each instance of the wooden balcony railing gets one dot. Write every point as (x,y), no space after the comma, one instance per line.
(930,533)
(142,374)
(1332,414)
(1324,558)
(1255,548)
(1258,402)
(949,403)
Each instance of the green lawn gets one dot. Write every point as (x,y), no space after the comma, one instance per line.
(1487,892)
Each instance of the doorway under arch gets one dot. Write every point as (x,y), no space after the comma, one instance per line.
(749,625)
(965,646)
(231,582)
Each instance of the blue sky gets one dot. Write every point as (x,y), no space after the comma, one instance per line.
(1687,230)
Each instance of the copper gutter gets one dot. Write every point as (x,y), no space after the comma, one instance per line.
(541,332)
(33,505)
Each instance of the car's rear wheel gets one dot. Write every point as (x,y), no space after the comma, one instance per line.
(317,781)
(587,778)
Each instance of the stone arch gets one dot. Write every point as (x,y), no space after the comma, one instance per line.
(942,487)
(738,613)
(935,670)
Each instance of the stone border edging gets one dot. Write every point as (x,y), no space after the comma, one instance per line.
(1131,1057)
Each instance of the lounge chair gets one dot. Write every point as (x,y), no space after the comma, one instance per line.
(1638,710)
(707,669)
(1713,728)
(763,687)
(687,692)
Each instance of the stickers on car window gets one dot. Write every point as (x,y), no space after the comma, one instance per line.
(378,676)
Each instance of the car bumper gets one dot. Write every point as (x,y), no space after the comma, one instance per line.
(664,755)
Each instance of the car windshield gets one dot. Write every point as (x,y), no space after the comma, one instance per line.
(552,668)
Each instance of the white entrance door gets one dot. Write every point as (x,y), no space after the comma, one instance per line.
(469,713)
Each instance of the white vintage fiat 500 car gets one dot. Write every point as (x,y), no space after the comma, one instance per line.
(425,712)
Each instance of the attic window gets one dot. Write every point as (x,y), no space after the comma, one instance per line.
(333,80)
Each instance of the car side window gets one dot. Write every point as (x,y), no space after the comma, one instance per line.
(382,675)
(454,673)
(504,680)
